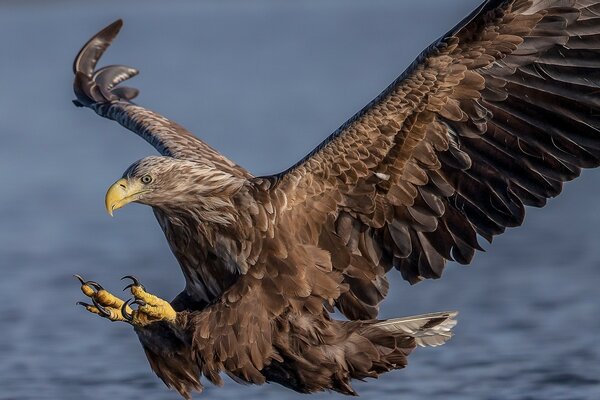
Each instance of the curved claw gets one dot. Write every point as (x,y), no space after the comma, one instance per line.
(81,303)
(93,284)
(124,313)
(103,311)
(139,302)
(132,284)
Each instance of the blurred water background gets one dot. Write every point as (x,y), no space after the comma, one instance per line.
(262,81)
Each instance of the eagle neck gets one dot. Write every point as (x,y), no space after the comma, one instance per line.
(210,253)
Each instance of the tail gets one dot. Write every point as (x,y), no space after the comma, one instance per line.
(428,330)
(394,339)
(353,350)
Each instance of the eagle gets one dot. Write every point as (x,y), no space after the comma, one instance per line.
(494,116)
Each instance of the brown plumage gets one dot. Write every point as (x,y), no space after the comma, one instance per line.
(495,115)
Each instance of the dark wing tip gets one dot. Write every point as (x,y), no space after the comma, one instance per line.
(91,52)
(91,86)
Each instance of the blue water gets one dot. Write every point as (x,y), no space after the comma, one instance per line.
(263,81)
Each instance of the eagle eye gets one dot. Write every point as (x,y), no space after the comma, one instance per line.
(146,179)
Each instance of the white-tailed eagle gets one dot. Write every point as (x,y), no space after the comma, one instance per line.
(492,117)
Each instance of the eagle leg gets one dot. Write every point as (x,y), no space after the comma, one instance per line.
(104,303)
(150,307)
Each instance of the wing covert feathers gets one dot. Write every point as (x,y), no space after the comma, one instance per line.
(493,117)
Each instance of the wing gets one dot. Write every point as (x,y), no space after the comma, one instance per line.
(99,90)
(495,115)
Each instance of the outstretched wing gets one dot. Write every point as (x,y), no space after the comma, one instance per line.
(99,90)
(495,115)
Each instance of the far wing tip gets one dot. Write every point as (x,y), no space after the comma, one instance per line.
(89,54)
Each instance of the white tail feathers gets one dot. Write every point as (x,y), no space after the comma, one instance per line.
(433,329)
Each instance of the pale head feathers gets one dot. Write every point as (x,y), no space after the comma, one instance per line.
(181,187)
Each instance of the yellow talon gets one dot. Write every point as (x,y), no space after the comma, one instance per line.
(104,304)
(150,307)
(108,300)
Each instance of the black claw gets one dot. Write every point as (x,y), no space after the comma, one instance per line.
(81,303)
(133,278)
(124,313)
(139,302)
(103,311)
(93,284)
(134,283)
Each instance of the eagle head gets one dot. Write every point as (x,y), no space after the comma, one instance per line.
(174,185)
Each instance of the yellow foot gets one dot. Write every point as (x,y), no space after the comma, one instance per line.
(150,308)
(104,303)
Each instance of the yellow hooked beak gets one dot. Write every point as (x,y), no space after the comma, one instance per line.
(121,193)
